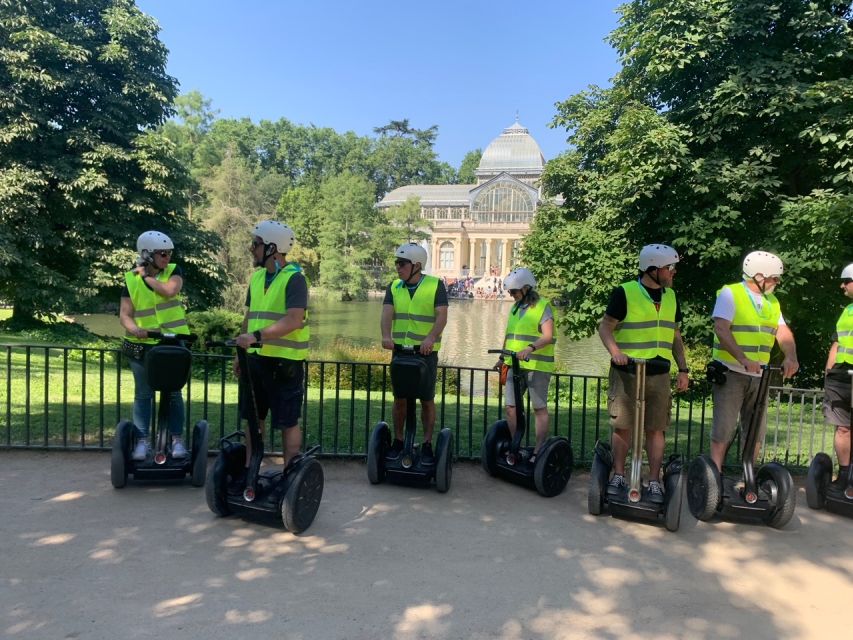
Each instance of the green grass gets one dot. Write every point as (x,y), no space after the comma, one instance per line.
(74,397)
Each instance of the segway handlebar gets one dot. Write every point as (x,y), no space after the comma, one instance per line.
(230,344)
(165,336)
(506,352)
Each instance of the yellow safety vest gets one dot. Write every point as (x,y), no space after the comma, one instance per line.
(754,333)
(844,329)
(646,332)
(414,315)
(154,312)
(268,306)
(522,330)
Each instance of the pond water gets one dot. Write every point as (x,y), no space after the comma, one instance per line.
(474,327)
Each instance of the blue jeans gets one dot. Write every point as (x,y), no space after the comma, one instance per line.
(142,403)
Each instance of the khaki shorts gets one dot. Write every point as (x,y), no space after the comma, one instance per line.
(620,401)
(537,388)
(735,398)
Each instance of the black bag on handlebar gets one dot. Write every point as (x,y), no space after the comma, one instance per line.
(716,371)
(133,350)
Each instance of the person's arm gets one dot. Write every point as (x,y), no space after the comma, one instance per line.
(723,331)
(437,328)
(125,317)
(833,354)
(168,289)
(605,331)
(682,381)
(385,323)
(544,340)
(785,338)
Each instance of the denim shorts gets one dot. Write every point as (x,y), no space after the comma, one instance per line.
(278,384)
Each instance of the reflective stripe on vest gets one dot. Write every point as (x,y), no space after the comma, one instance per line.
(267,307)
(414,316)
(844,329)
(154,312)
(754,333)
(646,332)
(521,331)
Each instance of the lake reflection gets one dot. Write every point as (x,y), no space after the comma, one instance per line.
(473,327)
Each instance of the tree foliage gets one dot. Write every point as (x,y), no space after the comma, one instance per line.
(466,173)
(81,172)
(728,129)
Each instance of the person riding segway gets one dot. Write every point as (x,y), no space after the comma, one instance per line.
(821,490)
(747,321)
(270,365)
(641,323)
(529,350)
(414,314)
(152,315)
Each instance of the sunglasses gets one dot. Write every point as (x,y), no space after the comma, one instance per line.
(257,243)
(401,263)
(670,267)
(846,280)
(163,253)
(512,292)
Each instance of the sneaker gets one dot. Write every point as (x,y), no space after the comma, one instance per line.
(616,485)
(427,456)
(140,451)
(179,451)
(394,451)
(655,492)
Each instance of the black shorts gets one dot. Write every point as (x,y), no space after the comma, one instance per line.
(836,397)
(279,389)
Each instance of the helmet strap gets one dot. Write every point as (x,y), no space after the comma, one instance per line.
(413,274)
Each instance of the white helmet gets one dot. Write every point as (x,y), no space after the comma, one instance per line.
(847,272)
(518,278)
(151,241)
(762,263)
(275,232)
(413,252)
(657,255)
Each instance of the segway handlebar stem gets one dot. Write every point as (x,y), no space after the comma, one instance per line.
(634,482)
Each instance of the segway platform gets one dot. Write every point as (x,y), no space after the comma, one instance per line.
(409,380)
(167,367)
(503,456)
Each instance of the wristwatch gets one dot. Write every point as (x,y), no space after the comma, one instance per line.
(532,346)
(684,371)
(257,335)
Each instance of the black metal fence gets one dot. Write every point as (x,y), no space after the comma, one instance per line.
(60,397)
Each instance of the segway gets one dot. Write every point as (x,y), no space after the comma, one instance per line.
(633,501)
(503,456)
(410,380)
(821,492)
(167,367)
(289,496)
(768,496)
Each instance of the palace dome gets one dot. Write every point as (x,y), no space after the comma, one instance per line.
(513,150)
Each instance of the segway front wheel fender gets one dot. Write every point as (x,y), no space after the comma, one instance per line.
(553,467)
(817,481)
(674,482)
(199,454)
(216,487)
(496,436)
(302,499)
(444,465)
(377,446)
(598,482)
(122,441)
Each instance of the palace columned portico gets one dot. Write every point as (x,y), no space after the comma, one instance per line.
(477,229)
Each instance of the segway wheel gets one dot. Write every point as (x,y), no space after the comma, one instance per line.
(216,487)
(598,481)
(444,465)
(302,500)
(553,467)
(121,453)
(820,474)
(674,481)
(497,437)
(703,488)
(199,454)
(777,481)
(380,441)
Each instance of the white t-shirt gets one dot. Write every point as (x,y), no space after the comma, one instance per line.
(725,308)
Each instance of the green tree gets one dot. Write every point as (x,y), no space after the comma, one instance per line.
(727,129)
(402,155)
(348,220)
(466,173)
(81,171)
(298,208)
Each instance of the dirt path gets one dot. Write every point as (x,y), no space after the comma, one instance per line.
(487,560)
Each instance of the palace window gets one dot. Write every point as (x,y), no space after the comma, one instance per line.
(503,202)
(446,256)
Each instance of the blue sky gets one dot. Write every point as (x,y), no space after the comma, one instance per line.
(464,66)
